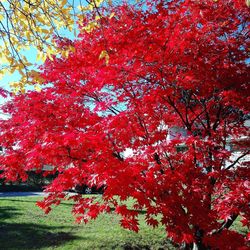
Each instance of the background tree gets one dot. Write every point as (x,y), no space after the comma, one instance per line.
(140,74)
(32,25)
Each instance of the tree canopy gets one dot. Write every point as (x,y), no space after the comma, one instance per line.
(141,75)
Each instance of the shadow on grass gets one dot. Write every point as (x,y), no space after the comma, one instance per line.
(7,212)
(32,236)
(14,235)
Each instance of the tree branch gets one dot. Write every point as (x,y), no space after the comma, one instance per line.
(226,224)
(237,160)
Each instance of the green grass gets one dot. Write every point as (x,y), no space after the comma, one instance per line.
(24,226)
(237,226)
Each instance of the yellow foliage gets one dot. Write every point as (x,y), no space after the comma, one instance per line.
(98,2)
(83,8)
(90,26)
(1,75)
(38,88)
(32,24)
(111,15)
(1,17)
(104,54)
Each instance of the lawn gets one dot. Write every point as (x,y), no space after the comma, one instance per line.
(24,226)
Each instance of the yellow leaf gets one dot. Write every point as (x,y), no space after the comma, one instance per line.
(39,55)
(49,56)
(45,31)
(21,72)
(64,2)
(90,26)
(38,88)
(4,59)
(83,8)
(104,54)
(111,15)
(1,17)
(28,35)
(26,8)
(13,69)
(70,27)
(97,18)
(98,2)
(65,53)
(2,73)
(248,3)
(90,7)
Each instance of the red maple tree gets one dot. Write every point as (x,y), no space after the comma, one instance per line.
(142,74)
